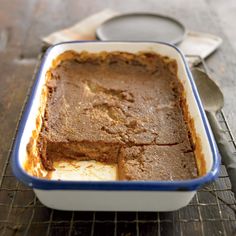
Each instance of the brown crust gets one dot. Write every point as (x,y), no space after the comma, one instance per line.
(146,60)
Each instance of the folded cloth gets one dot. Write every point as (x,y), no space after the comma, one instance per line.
(83,30)
(196,45)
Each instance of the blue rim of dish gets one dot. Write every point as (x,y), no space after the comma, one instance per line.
(183,185)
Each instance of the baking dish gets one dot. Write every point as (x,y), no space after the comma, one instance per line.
(116,195)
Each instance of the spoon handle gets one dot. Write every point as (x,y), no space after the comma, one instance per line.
(225,148)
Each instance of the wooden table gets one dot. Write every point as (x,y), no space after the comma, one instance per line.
(22,24)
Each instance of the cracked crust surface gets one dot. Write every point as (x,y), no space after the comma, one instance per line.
(109,106)
(157,162)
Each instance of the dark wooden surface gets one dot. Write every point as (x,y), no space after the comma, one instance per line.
(23,23)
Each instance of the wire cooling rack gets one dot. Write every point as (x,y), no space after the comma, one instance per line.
(211,212)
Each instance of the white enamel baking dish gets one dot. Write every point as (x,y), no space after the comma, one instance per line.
(116,195)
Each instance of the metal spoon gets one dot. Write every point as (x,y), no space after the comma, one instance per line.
(213,101)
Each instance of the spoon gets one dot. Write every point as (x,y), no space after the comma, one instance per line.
(213,101)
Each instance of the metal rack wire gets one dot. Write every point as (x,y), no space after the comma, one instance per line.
(211,212)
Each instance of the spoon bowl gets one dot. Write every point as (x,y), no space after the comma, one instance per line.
(211,96)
